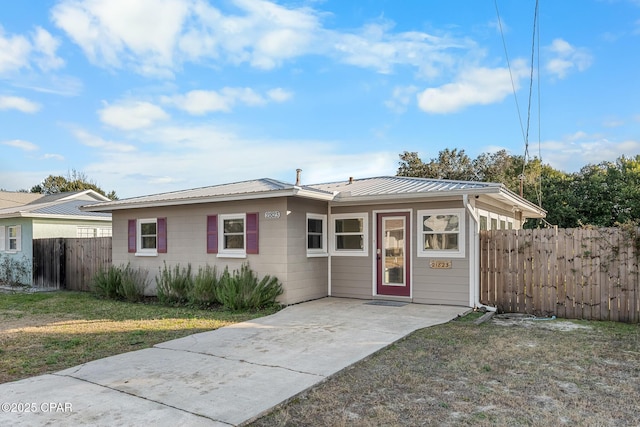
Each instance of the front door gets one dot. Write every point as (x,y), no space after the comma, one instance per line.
(393,254)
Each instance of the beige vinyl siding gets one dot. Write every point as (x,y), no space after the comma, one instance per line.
(354,276)
(440,286)
(186,238)
(306,276)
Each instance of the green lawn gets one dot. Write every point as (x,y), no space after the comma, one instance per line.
(47,332)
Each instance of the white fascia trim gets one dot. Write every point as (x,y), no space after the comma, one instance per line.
(187,201)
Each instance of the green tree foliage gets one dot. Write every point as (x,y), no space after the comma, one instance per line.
(601,195)
(74,181)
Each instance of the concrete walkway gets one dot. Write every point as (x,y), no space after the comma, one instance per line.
(219,378)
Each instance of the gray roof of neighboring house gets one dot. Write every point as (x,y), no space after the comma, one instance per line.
(385,188)
(61,205)
(9,199)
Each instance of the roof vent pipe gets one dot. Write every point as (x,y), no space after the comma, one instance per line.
(298,177)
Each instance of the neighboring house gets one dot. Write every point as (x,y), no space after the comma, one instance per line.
(401,238)
(10,199)
(56,215)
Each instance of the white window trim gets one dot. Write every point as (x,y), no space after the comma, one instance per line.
(3,235)
(365,235)
(139,250)
(322,252)
(462,230)
(5,241)
(231,253)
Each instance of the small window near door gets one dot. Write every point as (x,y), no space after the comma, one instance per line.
(350,234)
(316,235)
(441,233)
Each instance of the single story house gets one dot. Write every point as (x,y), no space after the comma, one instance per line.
(45,216)
(390,237)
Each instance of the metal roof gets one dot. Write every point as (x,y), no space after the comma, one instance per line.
(59,205)
(257,188)
(394,185)
(366,190)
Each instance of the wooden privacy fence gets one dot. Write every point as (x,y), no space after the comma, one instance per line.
(571,273)
(69,263)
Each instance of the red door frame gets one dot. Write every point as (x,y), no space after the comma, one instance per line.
(381,289)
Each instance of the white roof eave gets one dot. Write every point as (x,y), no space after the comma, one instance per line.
(295,191)
(529,209)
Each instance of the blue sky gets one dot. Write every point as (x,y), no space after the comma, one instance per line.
(147,96)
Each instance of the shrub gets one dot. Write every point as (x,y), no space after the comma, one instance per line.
(133,283)
(121,282)
(204,289)
(243,291)
(14,272)
(174,285)
(106,283)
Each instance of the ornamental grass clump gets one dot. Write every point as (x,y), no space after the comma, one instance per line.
(203,293)
(243,291)
(174,285)
(121,282)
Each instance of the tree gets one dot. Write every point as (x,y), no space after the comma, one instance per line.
(74,181)
(450,164)
(603,195)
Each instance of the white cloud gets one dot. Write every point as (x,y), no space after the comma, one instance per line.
(48,156)
(401,98)
(476,86)
(14,52)
(200,102)
(94,141)
(181,157)
(18,103)
(375,46)
(141,32)
(129,115)
(46,45)
(564,58)
(19,52)
(263,34)
(279,95)
(580,149)
(21,144)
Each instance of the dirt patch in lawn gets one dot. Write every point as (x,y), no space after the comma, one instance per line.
(502,372)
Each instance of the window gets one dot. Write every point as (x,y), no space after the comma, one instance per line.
(93,231)
(147,237)
(232,235)
(10,238)
(316,235)
(483,222)
(148,240)
(441,233)
(350,234)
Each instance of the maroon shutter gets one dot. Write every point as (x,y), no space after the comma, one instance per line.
(162,235)
(132,236)
(252,233)
(212,234)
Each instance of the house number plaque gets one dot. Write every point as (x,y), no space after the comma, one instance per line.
(272,214)
(440,264)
